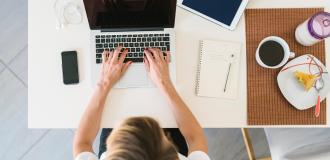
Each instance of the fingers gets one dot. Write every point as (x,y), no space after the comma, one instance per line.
(161,55)
(155,53)
(168,57)
(125,67)
(110,56)
(105,56)
(116,54)
(123,56)
(149,56)
(146,64)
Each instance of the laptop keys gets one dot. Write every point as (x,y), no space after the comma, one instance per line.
(99,45)
(166,39)
(99,50)
(98,55)
(135,60)
(135,43)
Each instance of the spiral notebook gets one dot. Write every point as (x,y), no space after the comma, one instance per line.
(218,70)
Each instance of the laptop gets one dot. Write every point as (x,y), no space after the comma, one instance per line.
(135,25)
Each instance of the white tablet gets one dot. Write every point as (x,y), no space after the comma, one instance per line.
(222,12)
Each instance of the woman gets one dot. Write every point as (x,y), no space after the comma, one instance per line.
(138,138)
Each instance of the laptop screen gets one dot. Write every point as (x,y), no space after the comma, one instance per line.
(125,14)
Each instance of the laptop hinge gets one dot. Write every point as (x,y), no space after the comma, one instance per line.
(131,29)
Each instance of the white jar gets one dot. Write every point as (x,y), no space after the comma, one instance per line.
(314,29)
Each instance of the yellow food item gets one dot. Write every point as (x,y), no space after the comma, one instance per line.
(306,80)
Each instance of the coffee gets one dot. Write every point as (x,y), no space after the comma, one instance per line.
(271,53)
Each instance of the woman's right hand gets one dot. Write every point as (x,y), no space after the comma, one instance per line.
(157,67)
(113,68)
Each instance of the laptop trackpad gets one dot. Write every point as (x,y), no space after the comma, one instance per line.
(135,76)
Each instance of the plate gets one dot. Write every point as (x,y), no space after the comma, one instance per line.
(293,91)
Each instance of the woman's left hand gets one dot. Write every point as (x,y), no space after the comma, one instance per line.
(113,67)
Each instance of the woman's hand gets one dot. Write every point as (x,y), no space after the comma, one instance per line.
(113,67)
(157,67)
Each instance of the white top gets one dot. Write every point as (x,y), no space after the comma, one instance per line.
(196,155)
(54,105)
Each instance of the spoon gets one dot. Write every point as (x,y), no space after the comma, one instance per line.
(318,86)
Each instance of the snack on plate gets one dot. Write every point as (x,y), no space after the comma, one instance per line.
(306,80)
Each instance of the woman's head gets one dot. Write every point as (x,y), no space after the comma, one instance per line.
(140,138)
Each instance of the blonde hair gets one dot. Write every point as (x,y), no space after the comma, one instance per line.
(140,138)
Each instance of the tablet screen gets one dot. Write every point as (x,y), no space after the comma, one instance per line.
(221,10)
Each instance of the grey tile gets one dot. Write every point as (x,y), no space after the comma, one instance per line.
(13,28)
(57,144)
(19,65)
(1,67)
(259,142)
(15,137)
(226,144)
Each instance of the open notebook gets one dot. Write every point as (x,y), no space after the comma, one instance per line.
(218,71)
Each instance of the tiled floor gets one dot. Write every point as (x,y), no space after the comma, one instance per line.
(1,67)
(18,142)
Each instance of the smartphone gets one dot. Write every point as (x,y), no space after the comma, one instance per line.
(70,67)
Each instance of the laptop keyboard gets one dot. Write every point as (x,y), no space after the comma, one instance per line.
(135,43)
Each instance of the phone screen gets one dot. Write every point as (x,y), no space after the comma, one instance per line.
(70,67)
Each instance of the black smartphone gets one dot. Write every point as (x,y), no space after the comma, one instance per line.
(70,67)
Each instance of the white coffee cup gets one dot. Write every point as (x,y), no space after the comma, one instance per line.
(287,53)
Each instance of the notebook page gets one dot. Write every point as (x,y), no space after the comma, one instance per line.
(216,57)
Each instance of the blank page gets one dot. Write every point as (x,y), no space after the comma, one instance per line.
(215,59)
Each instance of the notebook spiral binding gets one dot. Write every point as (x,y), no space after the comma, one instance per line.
(199,67)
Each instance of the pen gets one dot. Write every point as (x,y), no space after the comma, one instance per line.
(231,56)
(224,90)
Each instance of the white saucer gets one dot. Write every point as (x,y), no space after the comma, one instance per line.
(295,92)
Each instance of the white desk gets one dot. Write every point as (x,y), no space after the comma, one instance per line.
(54,105)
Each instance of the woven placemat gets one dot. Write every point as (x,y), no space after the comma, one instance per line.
(266,104)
